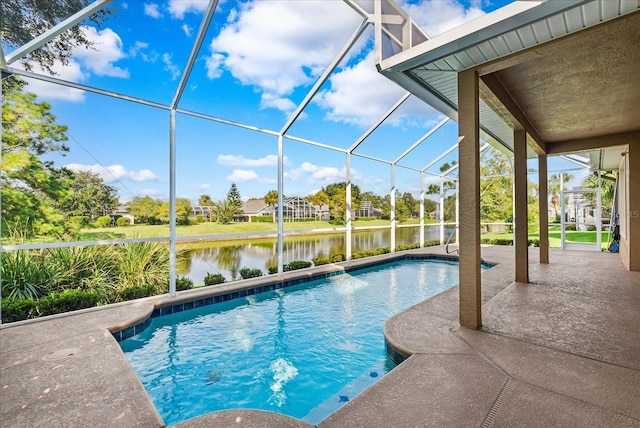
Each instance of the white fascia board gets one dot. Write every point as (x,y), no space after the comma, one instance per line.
(508,18)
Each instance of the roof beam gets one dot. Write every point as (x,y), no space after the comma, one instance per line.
(592,143)
(494,84)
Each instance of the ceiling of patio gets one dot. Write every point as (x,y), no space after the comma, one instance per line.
(563,71)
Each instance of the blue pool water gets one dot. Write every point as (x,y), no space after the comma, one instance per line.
(303,352)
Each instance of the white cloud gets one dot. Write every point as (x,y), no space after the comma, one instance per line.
(170,66)
(152,10)
(178,8)
(239,160)
(107,50)
(71,72)
(437,16)
(242,175)
(359,95)
(320,174)
(278,46)
(204,186)
(187,30)
(143,175)
(115,172)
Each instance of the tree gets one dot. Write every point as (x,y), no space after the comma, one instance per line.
(319,199)
(554,189)
(225,211)
(496,187)
(90,196)
(271,199)
(205,201)
(337,193)
(233,196)
(183,211)
(145,210)
(24,20)
(31,187)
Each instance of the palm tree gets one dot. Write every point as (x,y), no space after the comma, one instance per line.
(554,189)
(225,211)
(271,199)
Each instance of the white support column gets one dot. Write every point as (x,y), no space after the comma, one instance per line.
(348,213)
(469,157)
(598,217)
(172,202)
(441,210)
(520,213)
(392,214)
(280,210)
(421,209)
(562,212)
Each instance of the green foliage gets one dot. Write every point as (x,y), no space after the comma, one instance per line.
(145,210)
(271,269)
(199,219)
(338,258)
(104,221)
(233,196)
(205,201)
(31,187)
(133,292)
(317,261)
(369,253)
(247,273)
(143,263)
(18,309)
(183,283)
(91,268)
(261,219)
(214,278)
(183,211)
(508,241)
(123,221)
(68,300)
(22,21)
(225,211)
(570,227)
(296,264)
(271,199)
(90,196)
(24,275)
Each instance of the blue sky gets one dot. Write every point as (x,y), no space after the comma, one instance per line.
(258,61)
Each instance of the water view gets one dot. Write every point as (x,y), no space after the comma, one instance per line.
(195,260)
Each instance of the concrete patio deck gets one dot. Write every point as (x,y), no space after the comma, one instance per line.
(563,350)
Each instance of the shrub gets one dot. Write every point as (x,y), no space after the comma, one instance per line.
(103,221)
(183,283)
(246,273)
(431,243)
(570,227)
(272,269)
(136,292)
(592,228)
(199,219)
(261,219)
(68,300)
(320,261)
(143,263)
(123,221)
(18,309)
(296,264)
(214,278)
(337,258)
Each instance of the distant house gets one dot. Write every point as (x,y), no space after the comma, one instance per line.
(367,210)
(203,210)
(122,211)
(293,208)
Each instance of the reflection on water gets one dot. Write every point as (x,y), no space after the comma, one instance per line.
(228,259)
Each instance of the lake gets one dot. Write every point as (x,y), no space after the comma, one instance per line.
(195,260)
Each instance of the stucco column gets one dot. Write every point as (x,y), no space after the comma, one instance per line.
(543,207)
(469,182)
(633,207)
(520,212)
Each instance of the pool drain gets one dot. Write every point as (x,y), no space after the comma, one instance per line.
(60,354)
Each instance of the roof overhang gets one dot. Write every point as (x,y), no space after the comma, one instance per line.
(564,71)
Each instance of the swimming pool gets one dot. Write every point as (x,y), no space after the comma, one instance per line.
(303,352)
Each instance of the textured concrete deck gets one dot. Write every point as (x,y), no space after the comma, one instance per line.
(563,350)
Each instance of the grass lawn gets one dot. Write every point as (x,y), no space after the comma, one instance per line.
(555,236)
(145,231)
